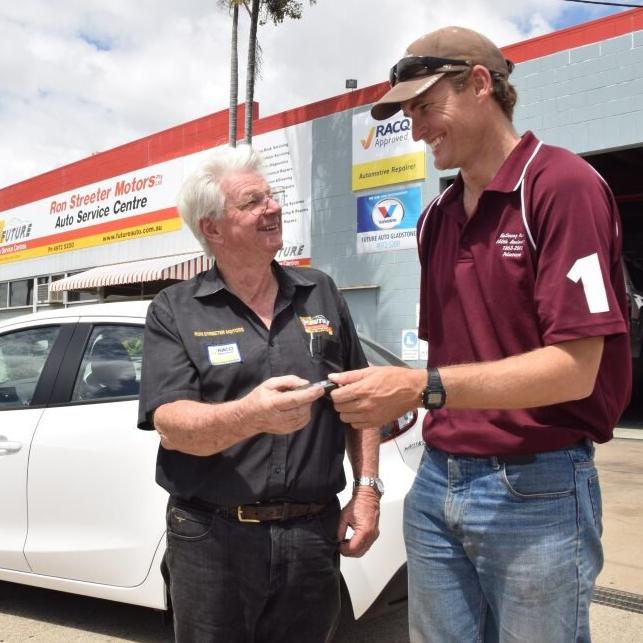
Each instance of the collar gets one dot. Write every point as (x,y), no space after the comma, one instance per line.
(512,171)
(288,279)
(509,176)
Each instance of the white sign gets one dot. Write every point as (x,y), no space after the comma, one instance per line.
(410,344)
(287,156)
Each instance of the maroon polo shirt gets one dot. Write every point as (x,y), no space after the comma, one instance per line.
(538,263)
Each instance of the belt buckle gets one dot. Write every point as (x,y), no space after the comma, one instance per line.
(241,518)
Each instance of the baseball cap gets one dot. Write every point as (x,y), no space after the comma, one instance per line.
(426,60)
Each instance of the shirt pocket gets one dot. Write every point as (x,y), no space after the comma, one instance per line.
(326,349)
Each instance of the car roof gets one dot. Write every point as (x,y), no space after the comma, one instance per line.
(115,309)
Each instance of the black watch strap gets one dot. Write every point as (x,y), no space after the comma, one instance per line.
(433,396)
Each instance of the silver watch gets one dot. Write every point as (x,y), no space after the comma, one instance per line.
(365,481)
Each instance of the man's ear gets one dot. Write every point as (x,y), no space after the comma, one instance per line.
(210,228)
(481,80)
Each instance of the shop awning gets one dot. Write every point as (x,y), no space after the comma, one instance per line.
(183,266)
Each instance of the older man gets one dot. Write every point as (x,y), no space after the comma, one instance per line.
(523,304)
(251,457)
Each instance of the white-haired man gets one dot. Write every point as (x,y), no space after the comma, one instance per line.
(252,461)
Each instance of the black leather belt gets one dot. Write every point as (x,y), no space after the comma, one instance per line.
(281,511)
(517,458)
(528,458)
(259,512)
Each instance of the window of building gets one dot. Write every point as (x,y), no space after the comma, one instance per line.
(21,293)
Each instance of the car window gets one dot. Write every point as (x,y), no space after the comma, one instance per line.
(111,365)
(23,354)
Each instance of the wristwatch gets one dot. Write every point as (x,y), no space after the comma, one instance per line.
(375,483)
(433,396)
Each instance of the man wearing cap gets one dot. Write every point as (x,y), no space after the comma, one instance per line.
(523,304)
(253,458)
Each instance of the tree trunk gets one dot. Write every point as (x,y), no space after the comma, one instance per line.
(234,79)
(250,77)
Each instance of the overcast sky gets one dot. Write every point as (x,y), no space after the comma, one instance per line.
(82,76)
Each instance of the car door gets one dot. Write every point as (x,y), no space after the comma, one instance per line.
(25,386)
(95,512)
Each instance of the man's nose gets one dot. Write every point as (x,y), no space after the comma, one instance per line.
(417,129)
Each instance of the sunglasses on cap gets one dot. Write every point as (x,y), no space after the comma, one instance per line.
(419,66)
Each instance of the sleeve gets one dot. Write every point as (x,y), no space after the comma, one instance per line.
(579,281)
(167,374)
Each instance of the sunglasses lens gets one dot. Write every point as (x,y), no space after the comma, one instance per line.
(420,66)
(411,68)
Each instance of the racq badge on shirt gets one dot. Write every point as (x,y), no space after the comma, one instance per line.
(220,354)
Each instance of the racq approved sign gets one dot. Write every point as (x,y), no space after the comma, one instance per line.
(384,153)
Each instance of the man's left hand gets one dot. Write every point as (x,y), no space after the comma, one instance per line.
(362,515)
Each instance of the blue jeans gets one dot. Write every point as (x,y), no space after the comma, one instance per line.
(503,552)
(270,582)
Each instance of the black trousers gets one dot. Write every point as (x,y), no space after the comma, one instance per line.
(269,582)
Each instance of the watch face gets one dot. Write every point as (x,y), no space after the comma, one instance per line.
(434,397)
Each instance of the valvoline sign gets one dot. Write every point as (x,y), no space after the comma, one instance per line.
(387,221)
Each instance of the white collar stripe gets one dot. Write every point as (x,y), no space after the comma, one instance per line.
(435,201)
(524,169)
(524,216)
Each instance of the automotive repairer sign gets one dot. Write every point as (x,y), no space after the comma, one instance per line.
(384,153)
(387,221)
(124,207)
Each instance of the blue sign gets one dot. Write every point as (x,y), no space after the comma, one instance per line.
(387,221)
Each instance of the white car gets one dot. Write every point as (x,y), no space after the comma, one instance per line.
(81,511)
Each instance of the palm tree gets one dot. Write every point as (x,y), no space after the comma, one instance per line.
(233,6)
(260,12)
(234,77)
(277,11)
(251,69)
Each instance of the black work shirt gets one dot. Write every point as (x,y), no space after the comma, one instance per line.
(203,343)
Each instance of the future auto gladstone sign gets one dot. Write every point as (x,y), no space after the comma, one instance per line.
(387,221)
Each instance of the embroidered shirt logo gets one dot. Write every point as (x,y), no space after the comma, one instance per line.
(217,333)
(316,324)
(512,244)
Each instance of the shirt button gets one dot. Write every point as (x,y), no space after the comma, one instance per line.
(277,470)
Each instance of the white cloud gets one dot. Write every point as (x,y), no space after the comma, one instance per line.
(85,76)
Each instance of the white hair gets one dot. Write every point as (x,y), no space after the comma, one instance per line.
(201,195)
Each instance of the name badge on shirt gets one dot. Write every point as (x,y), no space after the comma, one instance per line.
(224,354)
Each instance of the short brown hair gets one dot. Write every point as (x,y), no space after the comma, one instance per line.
(504,93)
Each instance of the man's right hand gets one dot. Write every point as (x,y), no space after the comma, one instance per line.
(280,406)
(376,395)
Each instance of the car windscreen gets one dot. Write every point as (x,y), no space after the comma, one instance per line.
(378,355)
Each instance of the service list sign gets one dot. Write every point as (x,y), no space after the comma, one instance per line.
(387,221)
